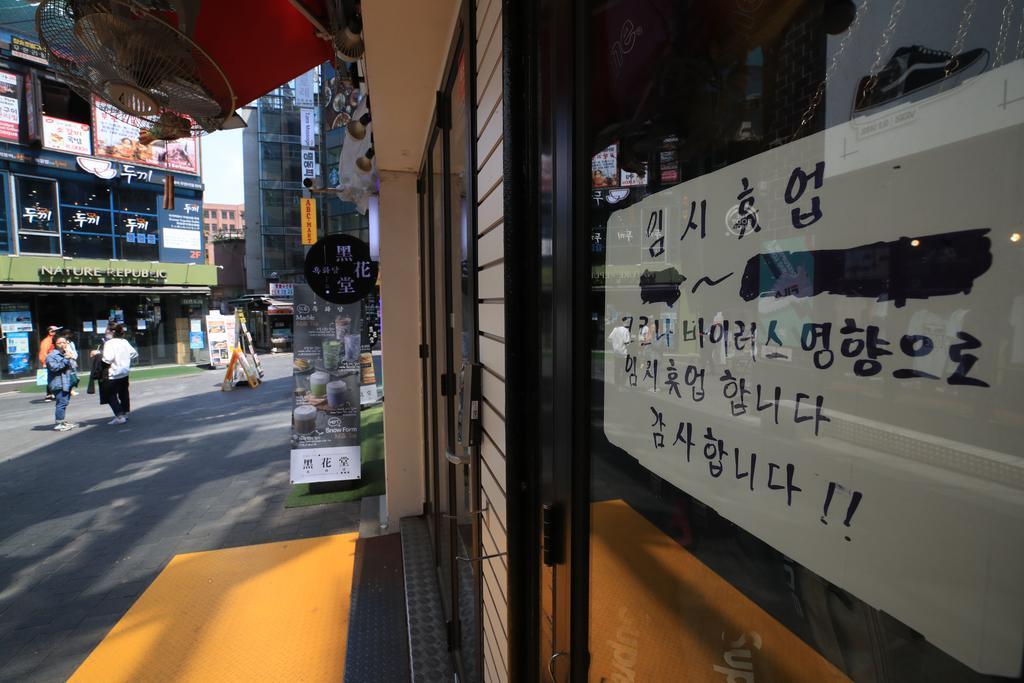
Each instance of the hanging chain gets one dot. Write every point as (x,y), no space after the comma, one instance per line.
(1004,30)
(812,106)
(883,45)
(961,36)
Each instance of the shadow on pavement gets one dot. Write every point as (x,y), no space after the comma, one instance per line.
(88,522)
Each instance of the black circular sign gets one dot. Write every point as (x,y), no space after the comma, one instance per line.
(340,270)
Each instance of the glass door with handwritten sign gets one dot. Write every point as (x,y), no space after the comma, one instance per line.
(805,228)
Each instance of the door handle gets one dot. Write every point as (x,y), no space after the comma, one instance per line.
(471,513)
(551,665)
(479,558)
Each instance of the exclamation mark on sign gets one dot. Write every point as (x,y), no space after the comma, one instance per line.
(855,499)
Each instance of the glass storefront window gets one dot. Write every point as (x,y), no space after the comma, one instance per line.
(134,200)
(806,356)
(83,193)
(137,237)
(37,215)
(85,245)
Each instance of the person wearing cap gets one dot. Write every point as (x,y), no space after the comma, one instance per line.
(45,346)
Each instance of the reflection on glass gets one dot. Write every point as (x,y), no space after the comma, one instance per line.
(809,346)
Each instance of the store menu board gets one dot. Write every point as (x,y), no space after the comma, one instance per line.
(816,347)
(10,106)
(220,330)
(181,232)
(325,413)
(65,136)
(116,138)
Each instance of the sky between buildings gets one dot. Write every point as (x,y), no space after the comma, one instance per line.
(222,167)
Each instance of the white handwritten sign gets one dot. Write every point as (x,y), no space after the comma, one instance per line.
(814,352)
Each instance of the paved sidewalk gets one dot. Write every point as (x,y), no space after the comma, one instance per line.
(89,517)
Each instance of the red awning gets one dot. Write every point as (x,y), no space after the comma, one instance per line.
(261,44)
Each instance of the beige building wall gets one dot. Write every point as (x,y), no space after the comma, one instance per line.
(491,316)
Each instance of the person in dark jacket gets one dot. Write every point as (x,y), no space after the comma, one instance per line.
(60,374)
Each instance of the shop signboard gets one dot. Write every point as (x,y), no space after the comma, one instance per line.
(308,164)
(307,209)
(29,50)
(181,232)
(282,290)
(304,89)
(10,106)
(307,127)
(65,136)
(221,332)
(116,138)
(810,331)
(325,415)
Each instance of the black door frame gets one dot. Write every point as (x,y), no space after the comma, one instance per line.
(547,319)
(462,46)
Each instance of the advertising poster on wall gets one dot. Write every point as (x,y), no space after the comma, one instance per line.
(10,106)
(181,232)
(221,332)
(65,136)
(325,415)
(16,326)
(115,138)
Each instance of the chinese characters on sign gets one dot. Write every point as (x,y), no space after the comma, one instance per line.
(339,268)
(325,414)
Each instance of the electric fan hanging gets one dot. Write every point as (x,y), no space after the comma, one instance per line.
(141,68)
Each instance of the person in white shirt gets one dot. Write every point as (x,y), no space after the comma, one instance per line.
(619,338)
(118,354)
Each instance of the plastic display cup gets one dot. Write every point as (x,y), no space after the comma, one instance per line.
(337,393)
(305,419)
(332,353)
(318,383)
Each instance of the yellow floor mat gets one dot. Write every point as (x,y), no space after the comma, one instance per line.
(271,612)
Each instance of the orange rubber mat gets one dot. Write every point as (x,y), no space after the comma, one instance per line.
(270,612)
(660,614)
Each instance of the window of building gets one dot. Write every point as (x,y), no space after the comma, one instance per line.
(280,208)
(136,237)
(5,228)
(136,200)
(280,161)
(223,213)
(86,230)
(37,215)
(282,252)
(62,102)
(135,222)
(83,193)
(231,215)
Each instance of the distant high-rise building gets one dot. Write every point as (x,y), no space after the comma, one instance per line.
(272,163)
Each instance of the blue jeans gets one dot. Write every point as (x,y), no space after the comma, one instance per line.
(62,404)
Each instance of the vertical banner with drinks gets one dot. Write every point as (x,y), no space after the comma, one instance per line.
(325,416)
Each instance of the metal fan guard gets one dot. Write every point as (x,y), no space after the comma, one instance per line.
(91,49)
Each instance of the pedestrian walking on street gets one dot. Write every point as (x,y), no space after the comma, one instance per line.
(60,374)
(45,346)
(72,353)
(118,354)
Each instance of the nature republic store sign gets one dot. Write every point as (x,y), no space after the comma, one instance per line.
(58,271)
